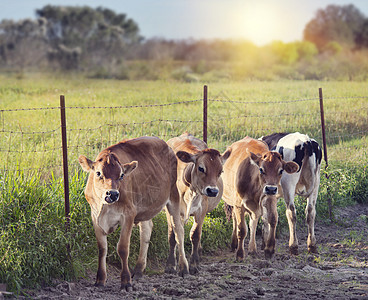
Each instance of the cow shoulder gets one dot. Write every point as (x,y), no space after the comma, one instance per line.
(272,139)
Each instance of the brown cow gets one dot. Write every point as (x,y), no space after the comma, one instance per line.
(130,183)
(199,184)
(251,181)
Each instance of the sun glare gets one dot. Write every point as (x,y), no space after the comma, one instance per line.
(263,23)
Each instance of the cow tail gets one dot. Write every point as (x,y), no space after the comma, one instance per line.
(228,211)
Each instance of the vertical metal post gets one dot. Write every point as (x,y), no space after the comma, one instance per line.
(65,162)
(329,202)
(205,114)
(323,126)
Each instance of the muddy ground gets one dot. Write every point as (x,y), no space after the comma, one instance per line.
(338,271)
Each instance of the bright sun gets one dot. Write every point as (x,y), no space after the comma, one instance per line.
(262,23)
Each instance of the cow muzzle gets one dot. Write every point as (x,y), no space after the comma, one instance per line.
(270,190)
(211,191)
(111,196)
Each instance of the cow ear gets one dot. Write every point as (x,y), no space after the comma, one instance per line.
(187,175)
(129,167)
(86,164)
(291,167)
(186,157)
(225,155)
(254,158)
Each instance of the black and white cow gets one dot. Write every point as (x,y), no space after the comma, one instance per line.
(307,154)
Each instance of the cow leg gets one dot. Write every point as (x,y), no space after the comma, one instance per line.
(310,213)
(145,230)
(242,231)
(171,260)
(234,236)
(102,252)
(195,237)
(173,208)
(291,217)
(123,250)
(270,219)
(253,221)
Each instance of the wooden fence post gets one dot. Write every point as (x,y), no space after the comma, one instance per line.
(65,162)
(205,114)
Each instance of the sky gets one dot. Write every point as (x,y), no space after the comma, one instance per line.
(259,21)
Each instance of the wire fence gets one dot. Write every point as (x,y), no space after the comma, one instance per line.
(31,139)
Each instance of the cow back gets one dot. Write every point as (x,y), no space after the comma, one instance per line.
(307,153)
(239,173)
(146,190)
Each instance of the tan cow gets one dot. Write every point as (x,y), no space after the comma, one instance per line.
(130,183)
(199,184)
(251,182)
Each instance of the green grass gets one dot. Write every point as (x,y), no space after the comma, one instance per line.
(33,240)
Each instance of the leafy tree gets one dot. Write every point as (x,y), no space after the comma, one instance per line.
(286,53)
(361,39)
(23,43)
(306,50)
(332,48)
(98,36)
(334,23)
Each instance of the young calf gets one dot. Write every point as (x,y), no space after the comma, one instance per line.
(199,184)
(130,183)
(251,178)
(307,154)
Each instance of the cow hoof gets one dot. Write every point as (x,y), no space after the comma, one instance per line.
(183,272)
(268,254)
(137,274)
(253,254)
(239,259)
(293,250)
(99,284)
(170,270)
(193,270)
(312,249)
(128,287)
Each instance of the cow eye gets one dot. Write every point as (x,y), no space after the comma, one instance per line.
(261,171)
(281,171)
(200,169)
(121,176)
(98,173)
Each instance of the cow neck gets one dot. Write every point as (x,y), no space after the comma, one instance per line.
(96,209)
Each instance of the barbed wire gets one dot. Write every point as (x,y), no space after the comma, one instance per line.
(23,150)
(101,107)
(30,132)
(177,103)
(263,102)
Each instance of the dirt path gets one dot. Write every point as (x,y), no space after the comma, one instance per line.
(339,271)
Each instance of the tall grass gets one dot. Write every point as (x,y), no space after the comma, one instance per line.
(33,240)
(35,245)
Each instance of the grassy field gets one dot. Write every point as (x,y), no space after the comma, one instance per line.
(33,241)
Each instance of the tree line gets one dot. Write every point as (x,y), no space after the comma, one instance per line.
(103,43)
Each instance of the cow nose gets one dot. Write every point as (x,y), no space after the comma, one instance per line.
(111,196)
(212,192)
(271,190)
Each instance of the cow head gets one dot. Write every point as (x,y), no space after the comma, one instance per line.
(107,174)
(271,166)
(205,171)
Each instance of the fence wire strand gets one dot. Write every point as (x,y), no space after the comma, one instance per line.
(29,148)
